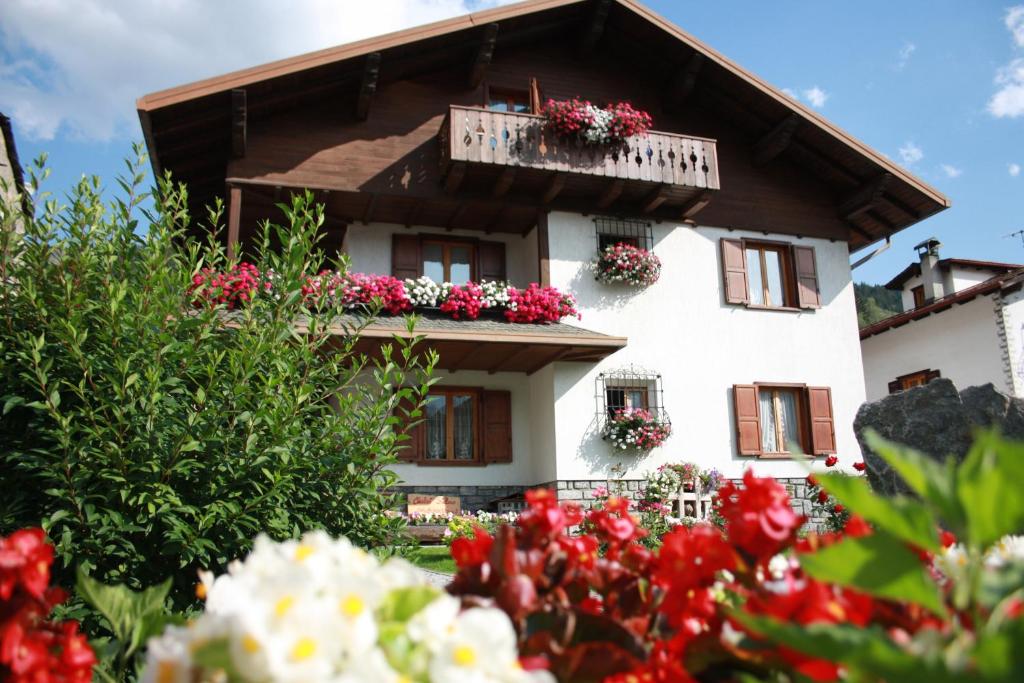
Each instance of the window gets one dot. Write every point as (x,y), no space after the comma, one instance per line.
(913,379)
(772,418)
(618,398)
(918,293)
(611,231)
(457,426)
(506,99)
(629,389)
(449,261)
(450,425)
(769,274)
(765,274)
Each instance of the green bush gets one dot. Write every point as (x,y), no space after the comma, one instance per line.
(151,437)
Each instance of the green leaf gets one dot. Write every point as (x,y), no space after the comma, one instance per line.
(902,517)
(880,565)
(989,483)
(124,609)
(401,604)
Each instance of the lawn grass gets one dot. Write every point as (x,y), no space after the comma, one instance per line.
(436,558)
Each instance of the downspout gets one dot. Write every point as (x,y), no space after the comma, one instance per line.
(876,252)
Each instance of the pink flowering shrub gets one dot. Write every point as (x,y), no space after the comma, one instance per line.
(628,264)
(539,304)
(580,119)
(636,429)
(231,288)
(464,301)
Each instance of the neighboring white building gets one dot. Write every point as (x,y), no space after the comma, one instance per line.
(962,319)
(429,152)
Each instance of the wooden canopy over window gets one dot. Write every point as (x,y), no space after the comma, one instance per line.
(487,344)
(202,131)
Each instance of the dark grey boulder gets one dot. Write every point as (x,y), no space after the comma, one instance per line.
(935,419)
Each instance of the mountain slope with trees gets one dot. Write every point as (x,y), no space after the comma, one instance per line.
(875,302)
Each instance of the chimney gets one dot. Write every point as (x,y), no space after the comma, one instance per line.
(931,278)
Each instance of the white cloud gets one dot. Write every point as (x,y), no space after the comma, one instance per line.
(1013,170)
(1015,23)
(1009,99)
(910,154)
(792,93)
(76,67)
(951,171)
(816,97)
(904,56)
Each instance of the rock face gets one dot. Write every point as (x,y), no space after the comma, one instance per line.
(936,420)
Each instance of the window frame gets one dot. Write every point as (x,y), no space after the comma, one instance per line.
(788,274)
(612,230)
(446,261)
(450,460)
(803,416)
(918,295)
(644,390)
(511,96)
(926,375)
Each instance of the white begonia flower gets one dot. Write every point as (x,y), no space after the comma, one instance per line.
(481,648)
(435,623)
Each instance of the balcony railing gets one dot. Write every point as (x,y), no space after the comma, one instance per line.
(479,136)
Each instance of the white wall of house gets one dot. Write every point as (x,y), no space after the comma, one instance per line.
(682,328)
(959,279)
(369,248)
(907,294)
(961,342)
(1012,314)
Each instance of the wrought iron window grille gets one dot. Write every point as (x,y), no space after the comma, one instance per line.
(609,230)
(629,388)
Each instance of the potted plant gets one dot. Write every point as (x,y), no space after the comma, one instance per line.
(627,264)
(581,120)
(636,429)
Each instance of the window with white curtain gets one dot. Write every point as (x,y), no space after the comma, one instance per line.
(450,424)
(781,428)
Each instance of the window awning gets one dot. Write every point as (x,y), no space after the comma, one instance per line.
(487,344)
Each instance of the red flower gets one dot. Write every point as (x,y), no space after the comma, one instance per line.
(831,461)
(838,507)
(691,558)
(860,466)
(947,538)
(822,497)
(759,519)
(472,551)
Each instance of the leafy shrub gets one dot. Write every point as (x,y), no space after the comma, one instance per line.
(152,438)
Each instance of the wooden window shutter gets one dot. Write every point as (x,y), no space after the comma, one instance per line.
(932,374)
(748,419)
(895,386)
(411,449)
(497,426)
(823,431)
(536,104)
(806,269)
(734,272)
(490,258)
(405,256)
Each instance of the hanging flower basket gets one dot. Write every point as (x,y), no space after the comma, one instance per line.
(637,430)
(577,119)
(627,264)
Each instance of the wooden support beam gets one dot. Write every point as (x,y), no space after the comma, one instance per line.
(656,198)
(454,178)
(463,361)
(515,352)
(239,115)
(368,85)
(595,26)
(543,250)
(371,204)
(881,220)
(484,54)
(692,207)
(685,80)
(496,220)
(413,216)
(864,198)
(553,189)
(902,206)
(504,182)
(861,231)
(550,358)
(234,219)
(775,141)
(456,216)
(611,193)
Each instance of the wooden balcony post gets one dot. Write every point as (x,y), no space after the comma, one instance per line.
(234,218)
(543,253)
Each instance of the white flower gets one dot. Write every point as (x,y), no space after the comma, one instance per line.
(480,648)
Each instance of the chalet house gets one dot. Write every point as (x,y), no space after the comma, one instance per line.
(429,151)
(961,319)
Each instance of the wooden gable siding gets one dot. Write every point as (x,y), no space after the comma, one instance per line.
(395,151)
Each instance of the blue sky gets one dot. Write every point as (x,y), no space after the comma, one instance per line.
(936,85)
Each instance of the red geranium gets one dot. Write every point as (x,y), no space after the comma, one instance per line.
(758,517)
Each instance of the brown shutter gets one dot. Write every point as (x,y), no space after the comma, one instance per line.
(895,386)
(411,449)
(823,431)
(806,277)
(734,272)
(405,256)
(748,419)
(497,426)
(931,374)
(536,104)
(490,261)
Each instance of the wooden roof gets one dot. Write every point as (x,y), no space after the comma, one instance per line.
(188,128)
(914,269)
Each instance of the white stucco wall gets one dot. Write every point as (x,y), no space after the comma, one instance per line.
(682,328)
(960,342)
(907,294)
(369,248)
(958,279)
(1012,312)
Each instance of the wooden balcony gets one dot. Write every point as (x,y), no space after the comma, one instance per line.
(500,153)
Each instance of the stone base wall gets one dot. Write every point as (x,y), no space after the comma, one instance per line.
(475,498)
